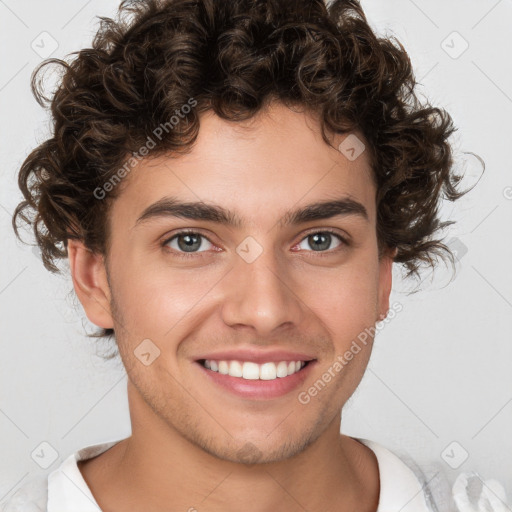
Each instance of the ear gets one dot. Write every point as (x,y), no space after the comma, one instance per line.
(91,285)
(385,282)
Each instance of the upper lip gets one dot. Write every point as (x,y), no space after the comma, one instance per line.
(255,355)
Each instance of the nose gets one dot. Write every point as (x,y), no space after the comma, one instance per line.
(261,295)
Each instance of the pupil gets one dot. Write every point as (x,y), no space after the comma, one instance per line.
(190,241)
(323,245)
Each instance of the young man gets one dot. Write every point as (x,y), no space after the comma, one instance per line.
(232,182)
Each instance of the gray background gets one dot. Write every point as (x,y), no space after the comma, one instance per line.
(441,369)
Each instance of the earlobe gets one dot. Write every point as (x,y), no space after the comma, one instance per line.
(90,282)
(385,283)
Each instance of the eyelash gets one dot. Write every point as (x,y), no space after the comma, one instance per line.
(186,255)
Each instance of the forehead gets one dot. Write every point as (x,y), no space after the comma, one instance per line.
(260,169)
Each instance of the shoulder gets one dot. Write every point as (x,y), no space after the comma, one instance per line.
(468,492)
(401,488)
(36,494)
(30,497)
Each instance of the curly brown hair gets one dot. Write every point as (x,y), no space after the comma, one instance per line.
(233,58)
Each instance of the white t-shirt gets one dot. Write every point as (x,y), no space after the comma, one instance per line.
(402,489)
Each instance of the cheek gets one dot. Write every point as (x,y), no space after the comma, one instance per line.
(154,297)
(345,299)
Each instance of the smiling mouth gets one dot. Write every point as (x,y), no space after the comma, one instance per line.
(249,370)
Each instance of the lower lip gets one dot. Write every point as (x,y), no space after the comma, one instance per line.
(256,389)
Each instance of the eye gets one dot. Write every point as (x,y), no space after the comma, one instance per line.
(187,242)
(320,241)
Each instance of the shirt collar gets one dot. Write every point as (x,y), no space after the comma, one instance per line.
(67,489)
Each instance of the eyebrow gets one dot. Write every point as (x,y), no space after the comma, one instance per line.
(173,207)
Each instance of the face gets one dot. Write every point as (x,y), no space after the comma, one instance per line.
(307,285)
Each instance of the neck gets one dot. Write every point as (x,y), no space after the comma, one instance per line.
(157,469)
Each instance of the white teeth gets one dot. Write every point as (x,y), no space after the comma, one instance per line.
(282,369)
(250,371)
(268,371)
(253,371)
(235,369)
(223,367)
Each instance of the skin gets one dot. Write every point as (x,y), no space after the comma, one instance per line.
(188,447)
